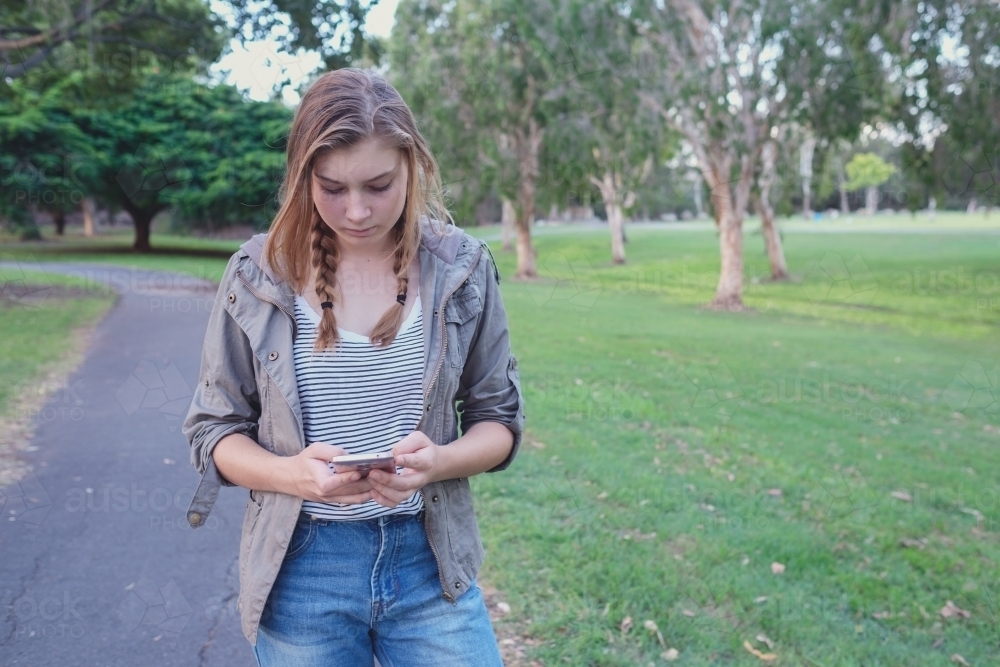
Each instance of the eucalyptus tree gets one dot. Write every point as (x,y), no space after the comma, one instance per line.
(623,135)
(731,71)
(503,71)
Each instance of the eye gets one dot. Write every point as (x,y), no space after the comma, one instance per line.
(332,192)
(383,188)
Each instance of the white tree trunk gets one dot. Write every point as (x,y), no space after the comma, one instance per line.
(613,198)
(89,209)
(507,216)
(772,239)
(871,200)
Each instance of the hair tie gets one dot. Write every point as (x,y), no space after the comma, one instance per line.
(401,298)
(327,304)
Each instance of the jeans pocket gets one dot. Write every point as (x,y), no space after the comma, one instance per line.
(302,537)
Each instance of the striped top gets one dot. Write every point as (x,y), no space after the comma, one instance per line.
(363,398)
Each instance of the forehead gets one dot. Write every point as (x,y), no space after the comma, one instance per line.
(358,163)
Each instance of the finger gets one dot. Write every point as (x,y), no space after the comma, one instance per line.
(408,445)
(353,499)
(384,500)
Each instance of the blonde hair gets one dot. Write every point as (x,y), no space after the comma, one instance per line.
(340,109)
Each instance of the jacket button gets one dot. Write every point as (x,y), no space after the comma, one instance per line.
(232,297)
(428,408)
(435,498)
(194,518)
(458,584)
(206,383)
(272,356)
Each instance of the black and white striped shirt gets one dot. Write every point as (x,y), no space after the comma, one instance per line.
(363,398)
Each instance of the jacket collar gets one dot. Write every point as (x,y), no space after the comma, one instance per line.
(445,259)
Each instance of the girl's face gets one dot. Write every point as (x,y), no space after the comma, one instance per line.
(360,192)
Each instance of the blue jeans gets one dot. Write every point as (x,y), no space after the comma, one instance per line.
(348,590)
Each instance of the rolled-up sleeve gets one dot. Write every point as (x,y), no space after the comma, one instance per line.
(490,385)
(225,400)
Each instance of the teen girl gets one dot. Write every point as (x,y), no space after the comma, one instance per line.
(360,323)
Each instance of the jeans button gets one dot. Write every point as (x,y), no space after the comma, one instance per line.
(272,356)
(435,498)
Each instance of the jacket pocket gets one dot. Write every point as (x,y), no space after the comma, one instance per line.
(460,317)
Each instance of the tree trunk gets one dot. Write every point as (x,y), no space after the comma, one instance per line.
(729,292)
(772,239)
(762,202)
(142,227)
(845,207)
(59,218)
(871,199)
(699,206)
(525,253)
(88,216)
(528,144)
(507,216)
(612,206)
(806,199)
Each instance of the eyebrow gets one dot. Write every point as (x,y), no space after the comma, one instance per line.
(334,182)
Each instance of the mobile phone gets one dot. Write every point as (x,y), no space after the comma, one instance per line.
(364,463)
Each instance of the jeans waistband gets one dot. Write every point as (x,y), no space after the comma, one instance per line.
(384,519)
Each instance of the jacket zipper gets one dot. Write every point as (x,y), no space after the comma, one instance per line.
(253,290)
(444,348)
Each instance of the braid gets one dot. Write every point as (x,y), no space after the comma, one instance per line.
(325,254)
(388,326)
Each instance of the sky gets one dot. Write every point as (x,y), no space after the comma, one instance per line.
(255,67)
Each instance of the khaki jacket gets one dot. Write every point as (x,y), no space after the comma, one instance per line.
(247,385)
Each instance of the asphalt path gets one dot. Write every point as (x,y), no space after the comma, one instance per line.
(98,565)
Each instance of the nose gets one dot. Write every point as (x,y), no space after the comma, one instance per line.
(357,209)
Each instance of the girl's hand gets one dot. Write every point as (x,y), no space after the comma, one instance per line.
(418,455)
(310,477)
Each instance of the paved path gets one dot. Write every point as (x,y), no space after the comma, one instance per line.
(98,566)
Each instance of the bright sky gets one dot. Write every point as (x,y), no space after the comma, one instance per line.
(257,68)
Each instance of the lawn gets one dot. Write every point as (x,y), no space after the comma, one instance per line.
(846,430)
(821,471)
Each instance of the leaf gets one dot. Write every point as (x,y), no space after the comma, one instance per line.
(651,626)
(778,568)
(776,493)
(959,660)
(913,543)
(670,654)
(602,495)
(902,495)
(764,639)
(766,657)
(951,610)
(503,607)
(626,624)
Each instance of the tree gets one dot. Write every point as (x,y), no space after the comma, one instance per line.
(43,151)
(203,152)
(730,71)
(623,136)
(502,68)
(112,43)
(868,170)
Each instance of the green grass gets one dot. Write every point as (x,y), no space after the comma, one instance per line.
(36,332)
(658,432)
(685,418)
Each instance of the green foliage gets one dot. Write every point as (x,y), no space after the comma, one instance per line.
(867,170)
